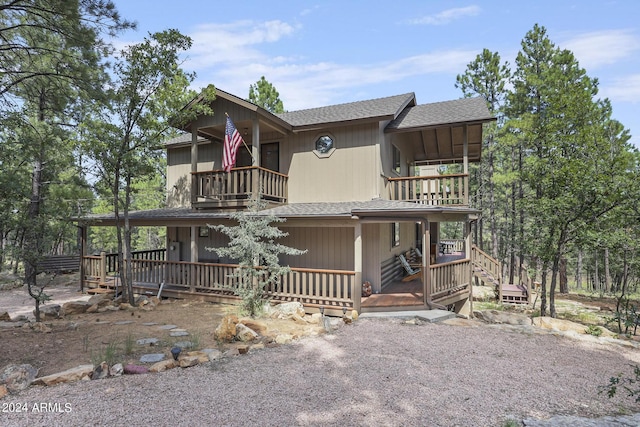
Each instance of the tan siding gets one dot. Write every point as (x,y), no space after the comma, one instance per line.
(328,248)
(179,170)
(350,173)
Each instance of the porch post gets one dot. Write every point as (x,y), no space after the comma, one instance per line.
(194,162)
(255,153)
(194,258)
(426,261)
(83,252)
(469,255)
(465,162)
(356,289)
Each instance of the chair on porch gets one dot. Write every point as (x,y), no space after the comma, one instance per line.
(411,273)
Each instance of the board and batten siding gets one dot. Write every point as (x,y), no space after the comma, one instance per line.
(179,170)
(350,173)
(327,248)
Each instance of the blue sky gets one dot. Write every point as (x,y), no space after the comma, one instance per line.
(326,52)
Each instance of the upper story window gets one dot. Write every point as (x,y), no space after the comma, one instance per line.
(324,145)
(396,159)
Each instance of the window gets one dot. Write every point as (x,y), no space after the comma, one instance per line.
(395,234)
(396,159)
(324,146)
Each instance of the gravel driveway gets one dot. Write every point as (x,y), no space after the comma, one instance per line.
(376,372)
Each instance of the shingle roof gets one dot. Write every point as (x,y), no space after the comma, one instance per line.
(380,107)
(439,113)
(184,138)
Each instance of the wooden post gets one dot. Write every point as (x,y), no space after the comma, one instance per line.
(194,257)
(103,268)
(83,252)
(356,290)
(194,163)
(426,261)
(468,255)
(465,163)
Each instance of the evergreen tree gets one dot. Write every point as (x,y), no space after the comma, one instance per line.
(253,244)
(265,95)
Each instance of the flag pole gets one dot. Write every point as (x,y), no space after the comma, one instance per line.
(243,141)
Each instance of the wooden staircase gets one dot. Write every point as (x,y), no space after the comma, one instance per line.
(488,270)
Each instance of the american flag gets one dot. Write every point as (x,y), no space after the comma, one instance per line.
(232,141)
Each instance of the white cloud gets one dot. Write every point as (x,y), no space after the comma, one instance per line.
(447,16)
(600,48)
(623,89)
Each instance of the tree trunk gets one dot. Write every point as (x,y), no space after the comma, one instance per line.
(596,278)
(607,275)
(564,282)
(579,270)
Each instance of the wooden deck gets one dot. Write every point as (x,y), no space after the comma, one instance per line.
(400,295)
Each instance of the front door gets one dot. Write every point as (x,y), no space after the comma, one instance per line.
(269,156)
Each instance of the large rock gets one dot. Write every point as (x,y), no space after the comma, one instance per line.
(101,371)
(135,370)
(287,310)
(245,334)
(17,377)
(75,307)
(116,370)
(188,361)
(4,317)
(49,312)
(226,330)
(101,300)
(565,325)
(163,365)
(70,375)
(502,317)
(260,327)
(202,356)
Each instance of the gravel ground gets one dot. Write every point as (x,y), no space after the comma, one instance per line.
(375,372)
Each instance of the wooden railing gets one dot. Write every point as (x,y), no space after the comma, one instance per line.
(236,187)
(435,190)
(485,264)
(449,246)
(449,277)
(98,267)
(331,288)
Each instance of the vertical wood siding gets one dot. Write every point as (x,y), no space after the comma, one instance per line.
(327,248)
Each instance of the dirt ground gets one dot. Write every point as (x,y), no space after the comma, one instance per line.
(85,338)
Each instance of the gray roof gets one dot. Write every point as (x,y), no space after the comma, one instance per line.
(374,108)
(463,110)
(184,138)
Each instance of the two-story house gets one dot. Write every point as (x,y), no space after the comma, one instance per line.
(344,177)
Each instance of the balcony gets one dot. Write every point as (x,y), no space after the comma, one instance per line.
(438,190)
(220,189)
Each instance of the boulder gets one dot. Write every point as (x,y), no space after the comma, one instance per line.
(135,370)
(502,317)
(201,355)
(231,352)
(284,339)
(226,330)
(75,307)
(74,374)
(245,334)
(163,365)
(39,327)
(188,361)
(49,312)
(101,300)
(17,377)
(101,371)
(152,358)
(4,317)
(92,309)
(212,354)
(258,326)
(287,310)
(116,370)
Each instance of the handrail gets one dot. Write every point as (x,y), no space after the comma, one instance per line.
(435,190)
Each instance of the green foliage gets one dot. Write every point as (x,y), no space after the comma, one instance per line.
(253,244)
(265,95)
(593,330)
(629,384)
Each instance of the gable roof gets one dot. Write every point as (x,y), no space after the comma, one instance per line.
(386,108)
(465,110)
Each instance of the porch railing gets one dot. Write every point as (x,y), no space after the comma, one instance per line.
(449,277)
(331,288)
(238,185)
(434,190)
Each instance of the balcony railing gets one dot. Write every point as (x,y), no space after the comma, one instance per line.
(235,188)
(438,190)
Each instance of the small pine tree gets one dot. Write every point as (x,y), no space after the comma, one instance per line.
(253,244)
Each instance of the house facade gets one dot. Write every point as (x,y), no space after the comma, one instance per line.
(349,180)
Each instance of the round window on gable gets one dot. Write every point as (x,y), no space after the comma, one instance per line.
(324,144)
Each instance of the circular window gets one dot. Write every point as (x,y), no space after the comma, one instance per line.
(324,144)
